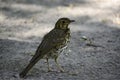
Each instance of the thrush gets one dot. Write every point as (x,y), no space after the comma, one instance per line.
(52,45)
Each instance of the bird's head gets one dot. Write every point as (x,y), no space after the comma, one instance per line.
(63,23)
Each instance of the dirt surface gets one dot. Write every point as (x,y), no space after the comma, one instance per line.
(24,22)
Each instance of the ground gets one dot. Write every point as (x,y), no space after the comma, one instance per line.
(24,22)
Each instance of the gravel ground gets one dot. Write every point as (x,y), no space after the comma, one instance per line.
(24,22)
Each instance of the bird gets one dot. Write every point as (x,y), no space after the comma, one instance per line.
(52,45)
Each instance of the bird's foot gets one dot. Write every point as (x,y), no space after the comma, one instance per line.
(62,70)
(49,70)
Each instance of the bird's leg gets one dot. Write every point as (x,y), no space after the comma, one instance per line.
(60,68)
(49,69)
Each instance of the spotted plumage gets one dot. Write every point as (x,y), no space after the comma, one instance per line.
(52,45)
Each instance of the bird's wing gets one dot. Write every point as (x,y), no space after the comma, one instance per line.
(48,43)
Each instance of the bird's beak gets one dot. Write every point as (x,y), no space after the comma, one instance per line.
(72,20)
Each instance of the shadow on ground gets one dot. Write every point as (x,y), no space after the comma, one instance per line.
(19,39)
(83,62)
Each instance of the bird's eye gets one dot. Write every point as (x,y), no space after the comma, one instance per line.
(63,22)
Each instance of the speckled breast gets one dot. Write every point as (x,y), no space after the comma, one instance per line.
(56,51)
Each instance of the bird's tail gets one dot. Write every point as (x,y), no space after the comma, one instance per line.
(29,66)
(25,71)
